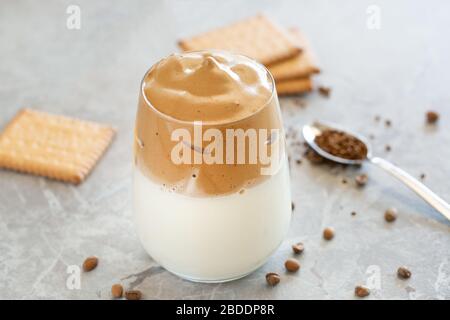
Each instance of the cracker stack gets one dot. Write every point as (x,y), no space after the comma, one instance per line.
(286,53)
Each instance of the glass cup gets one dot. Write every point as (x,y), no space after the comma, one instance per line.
(204,219)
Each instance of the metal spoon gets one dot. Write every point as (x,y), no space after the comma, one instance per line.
(312,130)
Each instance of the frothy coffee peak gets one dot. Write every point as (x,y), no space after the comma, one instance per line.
(210,87)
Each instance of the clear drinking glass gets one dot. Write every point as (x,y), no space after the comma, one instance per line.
(211,221)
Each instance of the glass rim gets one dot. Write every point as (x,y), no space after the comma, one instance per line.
(208,123)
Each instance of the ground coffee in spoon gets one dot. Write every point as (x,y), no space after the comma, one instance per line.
(341,144)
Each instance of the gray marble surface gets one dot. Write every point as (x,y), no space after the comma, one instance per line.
(398,72)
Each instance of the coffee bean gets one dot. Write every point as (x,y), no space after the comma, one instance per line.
(324,91)
(273,278)
(328,233)
(390,215)
(133,295)
(292,265)
(432,117)
(117,290)
(361,179)
(90,264)
(298,248)
(403,273)
(362,291)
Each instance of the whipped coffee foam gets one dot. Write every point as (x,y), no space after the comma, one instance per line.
(221,90)
(212,87)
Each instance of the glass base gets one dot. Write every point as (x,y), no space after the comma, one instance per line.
(201,280)
(205,280)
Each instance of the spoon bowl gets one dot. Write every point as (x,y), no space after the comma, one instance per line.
(311,131)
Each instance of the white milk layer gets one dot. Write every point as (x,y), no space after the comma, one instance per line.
(212,238)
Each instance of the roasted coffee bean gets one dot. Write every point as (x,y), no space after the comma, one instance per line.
(117,290)
(403,273)
(362,291)
(90,264)
(328,233)
(390,215)
(292,265)
(298,248)
(133,295)
(273,278)
(432,117)
(324,91)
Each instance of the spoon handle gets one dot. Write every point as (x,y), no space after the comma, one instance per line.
(429,196)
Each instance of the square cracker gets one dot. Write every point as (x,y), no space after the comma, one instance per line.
(300,66)
(256,37)
(53,146)
(294,86)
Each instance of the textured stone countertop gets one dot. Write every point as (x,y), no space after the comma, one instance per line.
(398,72)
